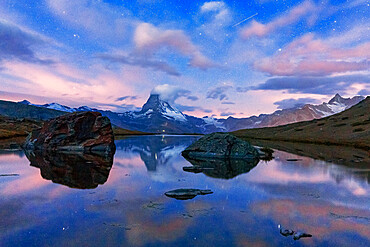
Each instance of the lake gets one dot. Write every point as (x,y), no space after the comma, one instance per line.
(80,201)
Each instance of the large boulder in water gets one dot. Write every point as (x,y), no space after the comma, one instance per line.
(222,146)
(83,131)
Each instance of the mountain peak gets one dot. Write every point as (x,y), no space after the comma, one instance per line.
(154,103)
(24,102)
(336,99)
(158,106)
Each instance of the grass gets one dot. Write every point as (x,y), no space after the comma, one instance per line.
(339,129)
(12,127)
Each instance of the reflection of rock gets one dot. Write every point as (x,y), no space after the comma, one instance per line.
(84,131)
(223,168)
(186,194)
(195,169)
(221,145)
(75,170)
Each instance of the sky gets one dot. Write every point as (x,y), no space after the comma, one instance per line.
(215,58)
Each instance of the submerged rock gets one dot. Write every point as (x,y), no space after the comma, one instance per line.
(285,232)
(221,146)
(75,170)
(83,131)
(299,235)
(186,194)
(289,232)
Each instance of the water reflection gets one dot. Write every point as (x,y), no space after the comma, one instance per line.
(357,160)
(325,199)
(75,170)
(155,151)
(223,168)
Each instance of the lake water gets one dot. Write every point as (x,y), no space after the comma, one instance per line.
(56,201)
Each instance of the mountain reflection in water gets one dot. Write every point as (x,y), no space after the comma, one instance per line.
(155,151)
(327,199)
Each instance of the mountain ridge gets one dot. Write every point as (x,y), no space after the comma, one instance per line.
(158,116)
(350,127)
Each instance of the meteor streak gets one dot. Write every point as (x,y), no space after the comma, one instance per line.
(244,20)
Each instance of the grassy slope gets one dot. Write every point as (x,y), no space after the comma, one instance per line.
(12,127)
(350,127)
(124,132)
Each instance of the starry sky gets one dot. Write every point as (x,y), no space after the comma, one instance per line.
(215,58)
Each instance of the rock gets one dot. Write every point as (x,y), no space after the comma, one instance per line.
(285,232)
(289,232)
(221,168)
(75,170)
(299,235)
(186,194)
(83,131)
(221,146)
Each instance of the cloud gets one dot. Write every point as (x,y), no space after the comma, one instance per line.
(193,108)
(170,93)
(95,87)
(310,56)
(149,39)
(228,103)
(227,114)
(328,85)
(364,92)
(118,108)
(192,98)
(140,61)
(212,6)
(219,93)
(307,10)
(19,44)
(242,89)
(292,103)
(126,97)
(218,16)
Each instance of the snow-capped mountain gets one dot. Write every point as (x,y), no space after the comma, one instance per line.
(158,116)
(155,105)
(59,107)
(305,113)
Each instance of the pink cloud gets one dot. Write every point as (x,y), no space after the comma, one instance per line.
(315,57)
(67,84)
(150,39)
(307,10)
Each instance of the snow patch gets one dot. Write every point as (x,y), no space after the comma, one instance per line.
(213,121)
(337,107)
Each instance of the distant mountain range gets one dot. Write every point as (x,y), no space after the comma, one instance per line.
(292,115)
(59,107)
(350,127)
(158,116)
